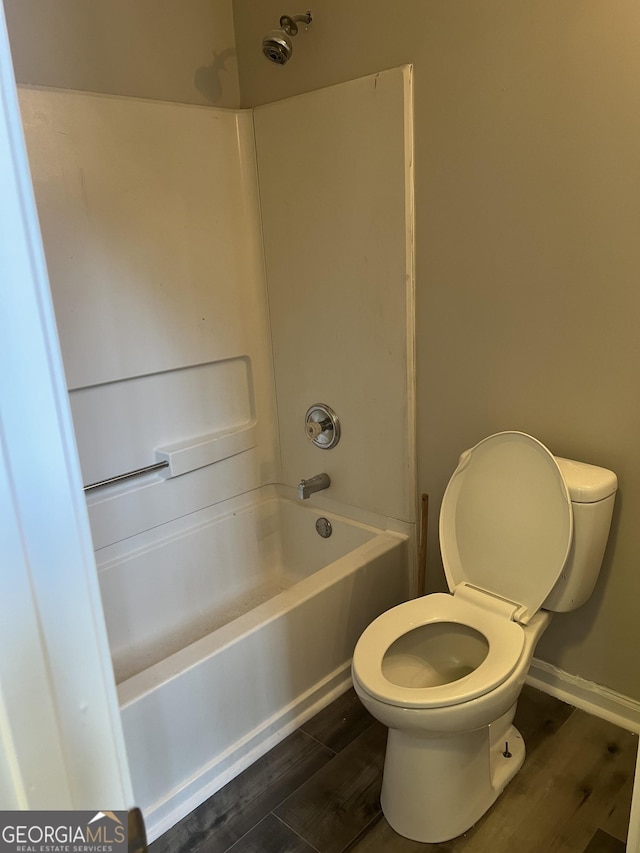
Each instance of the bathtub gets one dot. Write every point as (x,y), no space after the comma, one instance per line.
(231,631)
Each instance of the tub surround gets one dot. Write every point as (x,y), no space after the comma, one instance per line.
(169,339)
(160,301)
(152,218)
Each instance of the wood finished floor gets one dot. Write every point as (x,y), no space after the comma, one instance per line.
(318,791)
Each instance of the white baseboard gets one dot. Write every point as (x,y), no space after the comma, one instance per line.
(586,695)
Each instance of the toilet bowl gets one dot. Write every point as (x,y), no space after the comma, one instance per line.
(522,533)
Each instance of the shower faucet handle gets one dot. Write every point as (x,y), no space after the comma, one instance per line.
(321,426)
(316,428)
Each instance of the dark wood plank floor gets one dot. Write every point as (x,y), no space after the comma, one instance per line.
(318,791)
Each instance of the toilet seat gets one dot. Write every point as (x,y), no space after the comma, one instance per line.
(504,637)
(506,528)
(506,522)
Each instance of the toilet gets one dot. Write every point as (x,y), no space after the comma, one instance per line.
(522,534)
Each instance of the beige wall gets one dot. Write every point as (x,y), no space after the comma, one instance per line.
(169,50)
(528,244)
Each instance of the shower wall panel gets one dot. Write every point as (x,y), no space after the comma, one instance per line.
(335,171)
(149,216)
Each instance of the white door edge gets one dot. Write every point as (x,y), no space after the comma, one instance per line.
(61,741)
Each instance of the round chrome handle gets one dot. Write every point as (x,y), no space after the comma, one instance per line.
(321,426)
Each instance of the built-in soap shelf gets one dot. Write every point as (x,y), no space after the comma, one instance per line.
(202,450)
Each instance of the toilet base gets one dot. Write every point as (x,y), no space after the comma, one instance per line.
(435,786)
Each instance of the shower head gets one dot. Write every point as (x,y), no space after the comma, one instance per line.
(277,45)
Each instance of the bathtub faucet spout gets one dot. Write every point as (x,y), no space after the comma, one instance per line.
(315,484)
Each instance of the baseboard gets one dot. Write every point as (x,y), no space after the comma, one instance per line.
(586,695)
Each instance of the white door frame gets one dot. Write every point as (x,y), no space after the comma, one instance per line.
(61,741)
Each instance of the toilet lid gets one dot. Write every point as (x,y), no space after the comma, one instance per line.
(506,522)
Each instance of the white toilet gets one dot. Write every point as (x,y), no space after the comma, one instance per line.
(521,533)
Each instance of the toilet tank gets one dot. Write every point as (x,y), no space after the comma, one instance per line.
(592,491)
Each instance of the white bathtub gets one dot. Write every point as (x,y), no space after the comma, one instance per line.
(230,632)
